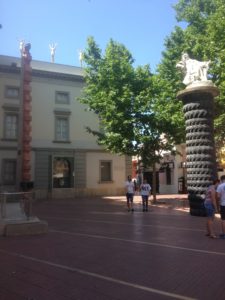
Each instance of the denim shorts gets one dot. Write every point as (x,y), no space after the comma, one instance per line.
(130,197)
(210,210)
(144,197)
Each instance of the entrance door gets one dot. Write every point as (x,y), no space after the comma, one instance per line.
(62,172)
(149,177)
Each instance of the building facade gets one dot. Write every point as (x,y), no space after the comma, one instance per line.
(170,172)
(66,160)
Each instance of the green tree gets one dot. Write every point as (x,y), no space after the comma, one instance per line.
(202,38)
(128,103)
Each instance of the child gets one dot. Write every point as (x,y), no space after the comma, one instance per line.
(145,190)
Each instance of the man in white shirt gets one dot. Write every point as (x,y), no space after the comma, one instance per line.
(129,193)
(221,196)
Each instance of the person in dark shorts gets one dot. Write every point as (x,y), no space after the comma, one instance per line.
(145,190)
(221,196)
(129,193)
(210,204)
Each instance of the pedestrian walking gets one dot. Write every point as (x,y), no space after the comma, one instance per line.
(145,190)
(130,188)
(221,196)
(210,204)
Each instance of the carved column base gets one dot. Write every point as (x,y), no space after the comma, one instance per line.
(198,110)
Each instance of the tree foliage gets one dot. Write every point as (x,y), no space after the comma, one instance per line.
(134,106)
(203,39)
(128,102)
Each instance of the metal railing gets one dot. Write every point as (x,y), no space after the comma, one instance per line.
(16,205)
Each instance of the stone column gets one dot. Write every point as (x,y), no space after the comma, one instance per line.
(198,101)
(26,183)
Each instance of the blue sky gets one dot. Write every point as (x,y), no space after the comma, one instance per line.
(141,25)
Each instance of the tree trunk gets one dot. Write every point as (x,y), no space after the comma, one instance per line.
(154,183)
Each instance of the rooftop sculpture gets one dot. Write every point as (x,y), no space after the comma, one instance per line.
(81,57)
(52,51)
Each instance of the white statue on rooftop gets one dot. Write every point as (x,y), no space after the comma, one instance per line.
(194,70)
(52,51)
(81,57)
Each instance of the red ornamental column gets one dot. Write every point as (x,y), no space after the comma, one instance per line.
(26,182)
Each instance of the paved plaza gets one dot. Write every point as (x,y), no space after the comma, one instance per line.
(96,250)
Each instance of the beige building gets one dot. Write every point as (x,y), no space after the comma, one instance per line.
(171,174)
(66,160)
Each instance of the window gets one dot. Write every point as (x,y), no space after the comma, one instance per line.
(62,129)
(62,125)
(9,171)
(12,92)
(105,171)
(11,126)
(62,98)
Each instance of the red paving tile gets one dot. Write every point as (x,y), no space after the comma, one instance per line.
(96,250)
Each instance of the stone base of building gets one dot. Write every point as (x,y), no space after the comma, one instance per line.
(70,193)
(33,226)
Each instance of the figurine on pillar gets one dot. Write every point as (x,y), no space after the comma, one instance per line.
(26,52)
(193,69)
